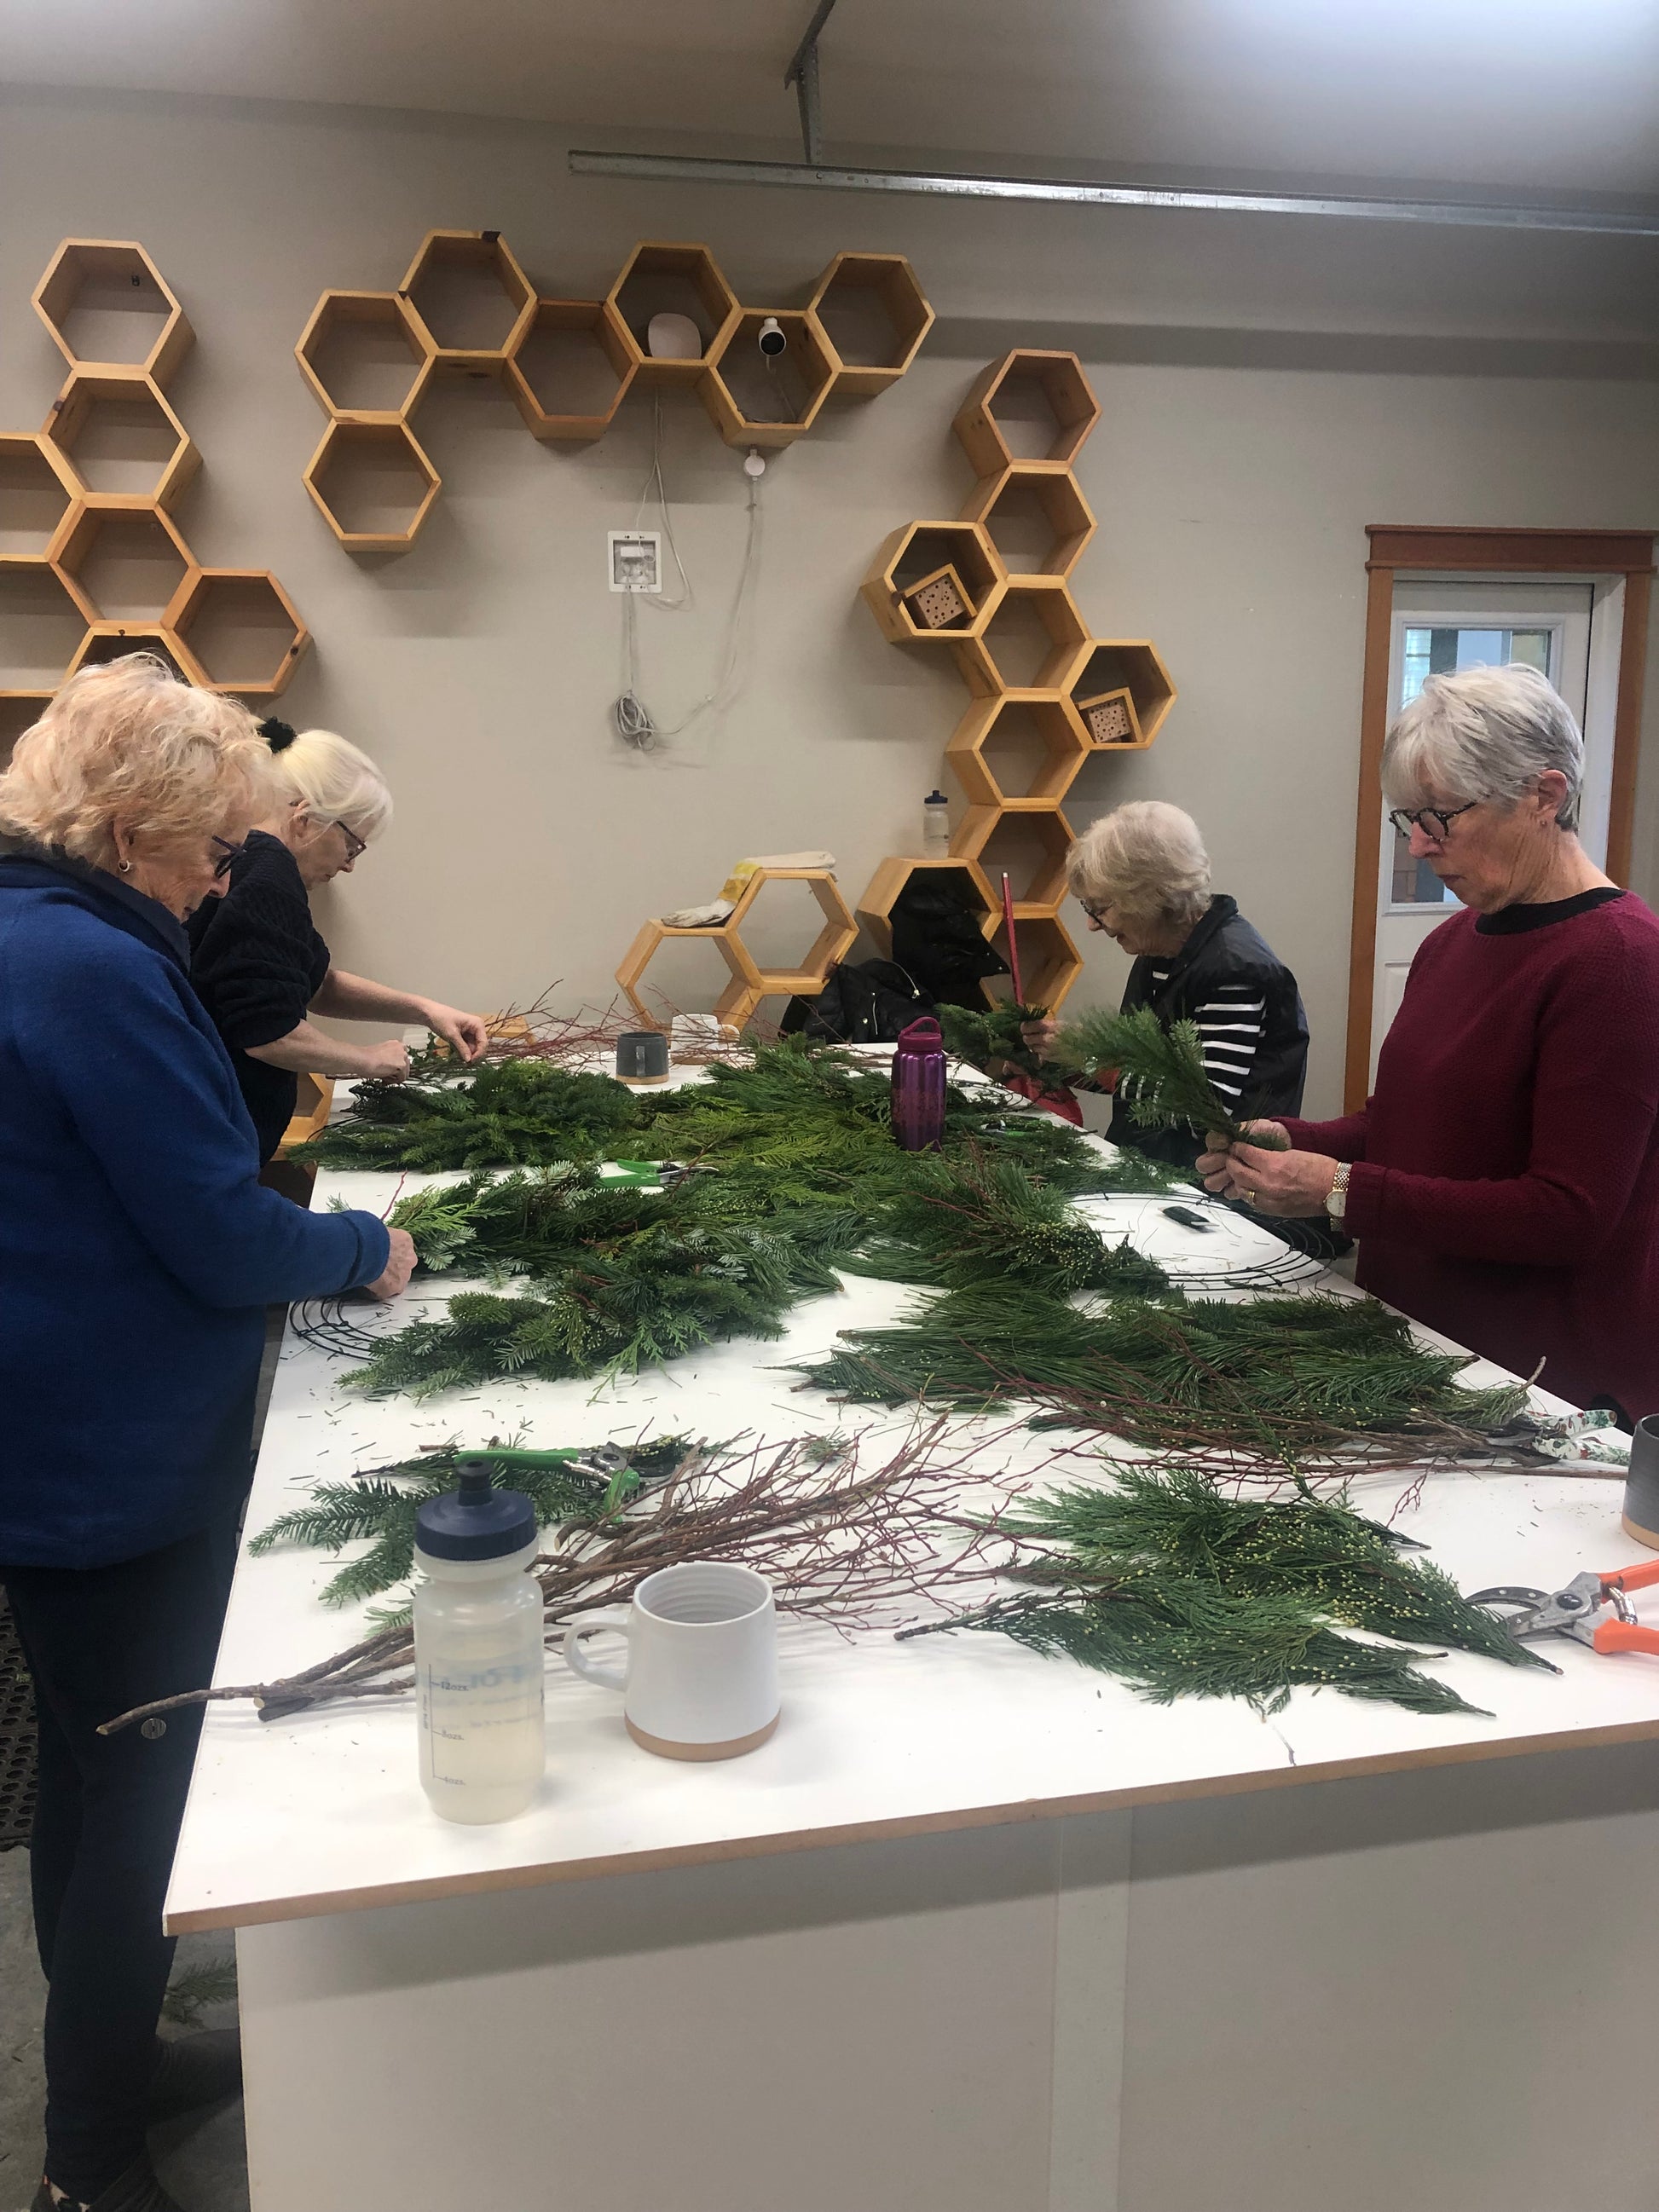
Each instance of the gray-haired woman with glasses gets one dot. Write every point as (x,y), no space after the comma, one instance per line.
(1502,1179)
(261,967)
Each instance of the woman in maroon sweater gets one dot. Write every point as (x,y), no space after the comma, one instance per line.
(1502,1179)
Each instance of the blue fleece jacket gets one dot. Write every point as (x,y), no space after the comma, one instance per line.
(138,1249)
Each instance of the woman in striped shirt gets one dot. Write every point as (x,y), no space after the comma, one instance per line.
(1142,875)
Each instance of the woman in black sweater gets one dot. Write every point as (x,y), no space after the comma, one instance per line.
(257,963)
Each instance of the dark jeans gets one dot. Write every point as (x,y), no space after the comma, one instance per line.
(98,1641)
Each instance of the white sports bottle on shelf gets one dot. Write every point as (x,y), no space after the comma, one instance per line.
(935,826)
(479,1662)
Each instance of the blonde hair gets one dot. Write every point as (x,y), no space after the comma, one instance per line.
(337,780)
(1483,733)
(1147,860)
(127,742)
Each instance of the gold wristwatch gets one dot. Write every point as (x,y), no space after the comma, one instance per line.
(1336,1199)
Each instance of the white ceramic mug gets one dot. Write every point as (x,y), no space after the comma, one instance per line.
(701,1679)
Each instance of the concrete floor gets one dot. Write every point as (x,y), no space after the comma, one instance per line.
(202,2162)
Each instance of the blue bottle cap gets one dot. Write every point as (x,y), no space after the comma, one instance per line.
(477,1521)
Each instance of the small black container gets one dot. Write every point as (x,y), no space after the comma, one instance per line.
(1642,1487)
(641,1056)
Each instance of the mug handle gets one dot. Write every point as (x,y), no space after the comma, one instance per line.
(608,1678)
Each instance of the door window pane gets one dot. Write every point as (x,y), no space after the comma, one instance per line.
(1437,652)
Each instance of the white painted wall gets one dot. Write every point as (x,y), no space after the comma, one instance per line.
(1269,388)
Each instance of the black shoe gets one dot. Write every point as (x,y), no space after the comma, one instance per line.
(193,2070)
(136,2190)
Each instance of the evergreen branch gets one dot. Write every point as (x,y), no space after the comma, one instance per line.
(1162,1077)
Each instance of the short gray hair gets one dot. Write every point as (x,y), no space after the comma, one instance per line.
(1483,733)
(1146,859)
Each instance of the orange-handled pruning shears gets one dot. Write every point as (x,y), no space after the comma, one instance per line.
(1571,1610)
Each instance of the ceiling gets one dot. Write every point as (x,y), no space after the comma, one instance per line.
(1557,98)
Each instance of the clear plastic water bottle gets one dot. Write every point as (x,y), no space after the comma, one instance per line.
(479,1662)
(935,826)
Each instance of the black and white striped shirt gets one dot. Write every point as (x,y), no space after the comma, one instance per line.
(1231,1020)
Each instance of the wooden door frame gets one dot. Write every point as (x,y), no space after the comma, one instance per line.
(1498,553)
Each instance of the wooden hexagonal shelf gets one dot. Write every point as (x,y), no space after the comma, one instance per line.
(365,355)
(43,619)
(1026,839)
(833,940)
(107,306)
(120,441)
(1031,405)
(1049,961)
(659,278)
(107,642)
(36,494)
(888,884)
(571,369)
(240,628)
(1014,747)
(875,318)
(127,563)
(914,556)
(469,298)
(736,1001)
(757,399)
(373,485)
(1035,516)
(1031,639)
(1131,665)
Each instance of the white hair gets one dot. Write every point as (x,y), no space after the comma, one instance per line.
(337,782)
(1483,733)
(1147,860)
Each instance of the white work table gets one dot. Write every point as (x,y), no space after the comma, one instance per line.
(890,1960)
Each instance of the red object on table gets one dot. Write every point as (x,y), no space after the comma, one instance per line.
(1013,942)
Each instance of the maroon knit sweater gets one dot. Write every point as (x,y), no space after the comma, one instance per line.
(1505,1189)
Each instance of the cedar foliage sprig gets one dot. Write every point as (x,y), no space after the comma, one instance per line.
(512,1112)
(1162,1080)
(1294,1375)
(667,1294)
(1186,1592)
(974,1219)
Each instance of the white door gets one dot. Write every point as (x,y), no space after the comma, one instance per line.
(1561,629)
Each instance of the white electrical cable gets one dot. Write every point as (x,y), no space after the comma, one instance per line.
(636,724)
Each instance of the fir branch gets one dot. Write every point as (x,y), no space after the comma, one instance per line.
(1161,1079)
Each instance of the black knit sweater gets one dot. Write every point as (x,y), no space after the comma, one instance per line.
(257,963)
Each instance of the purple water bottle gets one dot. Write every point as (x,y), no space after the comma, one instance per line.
(919,1087)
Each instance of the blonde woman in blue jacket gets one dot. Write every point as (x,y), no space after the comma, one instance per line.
(138,1254)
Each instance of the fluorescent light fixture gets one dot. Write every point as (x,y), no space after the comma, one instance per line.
(694,169)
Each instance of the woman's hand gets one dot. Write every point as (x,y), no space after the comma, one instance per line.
(401,1265)
(464,1033)
(1292,1185)
(1039,1036)
(385,1063)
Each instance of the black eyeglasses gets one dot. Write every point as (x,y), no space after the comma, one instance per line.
(1434,821)
(355,844)
(229,855)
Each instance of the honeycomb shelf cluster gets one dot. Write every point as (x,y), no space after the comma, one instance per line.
(750,981)
(92,561)
(466,308)
(988,592)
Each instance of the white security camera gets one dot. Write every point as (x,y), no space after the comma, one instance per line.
(772,341)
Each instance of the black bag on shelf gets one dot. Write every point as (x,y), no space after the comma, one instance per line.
(939,939)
